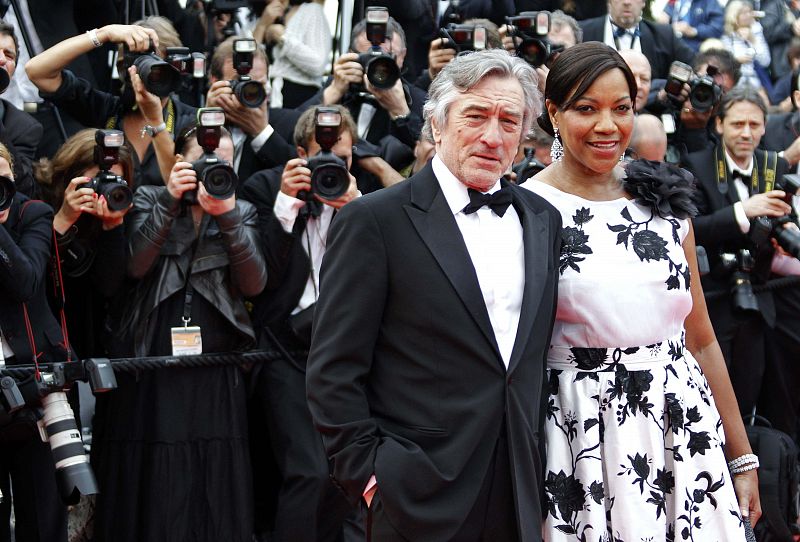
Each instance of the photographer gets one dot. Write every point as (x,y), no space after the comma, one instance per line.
(175,464)
(783,129)
(89,233)
(261,134)
(736,184)
(18,130)
(26,461)
(378,112)
(148,121)
(294,220)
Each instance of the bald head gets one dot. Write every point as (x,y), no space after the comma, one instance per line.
(640,67)
(649,139)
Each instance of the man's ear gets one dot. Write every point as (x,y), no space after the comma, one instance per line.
(301,152)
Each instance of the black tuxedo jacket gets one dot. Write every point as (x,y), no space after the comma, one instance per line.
(278,149)
(717,230)
(658,41)
(782,130)
(287,261)
(405,379)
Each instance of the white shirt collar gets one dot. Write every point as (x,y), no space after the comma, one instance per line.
(733,168)
(455,192)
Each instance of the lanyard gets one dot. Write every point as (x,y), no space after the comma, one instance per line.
(188,289)
(116,120)
(768,171)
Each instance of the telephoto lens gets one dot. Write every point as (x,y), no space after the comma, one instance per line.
(329,176)
(159,77)
(116,191)
(7,191)
(73,472)
(217,176)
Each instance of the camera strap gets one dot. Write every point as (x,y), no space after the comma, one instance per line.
(188,289)
(113,123)
(767,164)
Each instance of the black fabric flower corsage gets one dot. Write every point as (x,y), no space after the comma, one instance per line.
(665,188)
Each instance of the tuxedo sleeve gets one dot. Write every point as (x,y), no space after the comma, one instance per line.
(346,328)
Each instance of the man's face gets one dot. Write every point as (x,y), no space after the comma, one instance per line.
(393,46)
(193,151)
(741,129)
(8,54)
(625,13)
(343,148)
(723,79)
(640,67)
(561,35)
(482,131)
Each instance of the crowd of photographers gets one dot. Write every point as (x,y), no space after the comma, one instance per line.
(179,210)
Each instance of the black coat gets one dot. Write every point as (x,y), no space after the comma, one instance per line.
(278,149)
(658,41)
(25,243)
(782,130)
(404,377)
(21,133)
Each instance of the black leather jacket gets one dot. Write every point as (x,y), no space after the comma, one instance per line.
(228,264)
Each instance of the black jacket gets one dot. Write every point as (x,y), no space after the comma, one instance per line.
(658,41)
(21,133)
(277,150)
(404,377)
(227,266)
(25,244)
(782,130)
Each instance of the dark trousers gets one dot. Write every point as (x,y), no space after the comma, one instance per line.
(492,518)
(39,514)
(309,508)
(295,94)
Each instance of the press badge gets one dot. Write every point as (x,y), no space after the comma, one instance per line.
(186,341)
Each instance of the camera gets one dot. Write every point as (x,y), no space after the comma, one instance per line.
(464,37)
(7,191)
(763,228)
(381,68)
(704,93)
(216,174)
(57,426)
(744,300)
(528,166)
(529,30)
(250,93)
(106,153)
(330,178)
(162,76)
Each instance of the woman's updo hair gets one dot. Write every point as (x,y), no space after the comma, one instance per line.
(74,157)
(575,70)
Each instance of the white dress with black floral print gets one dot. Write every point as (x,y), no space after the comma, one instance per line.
(634,439)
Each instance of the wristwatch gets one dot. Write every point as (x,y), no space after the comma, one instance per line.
(153,131)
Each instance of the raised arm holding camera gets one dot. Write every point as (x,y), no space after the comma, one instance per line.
(296,206)
(147,112)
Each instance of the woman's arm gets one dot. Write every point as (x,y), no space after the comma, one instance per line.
(307,41)
(44,70)
(702,343)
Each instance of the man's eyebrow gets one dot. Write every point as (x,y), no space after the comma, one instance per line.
(483,108)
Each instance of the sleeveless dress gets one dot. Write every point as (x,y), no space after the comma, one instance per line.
(633,437)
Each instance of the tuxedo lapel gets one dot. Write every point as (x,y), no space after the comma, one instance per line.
(436,226)
(535,242)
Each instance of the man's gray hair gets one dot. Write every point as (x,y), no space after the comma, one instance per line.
(392,28)
(558,18)
(466,71)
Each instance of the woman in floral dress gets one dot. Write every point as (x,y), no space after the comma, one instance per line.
(641,413)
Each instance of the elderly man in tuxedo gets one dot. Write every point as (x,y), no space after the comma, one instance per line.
(426,370)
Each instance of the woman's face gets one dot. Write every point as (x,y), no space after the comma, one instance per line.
(745,16)
(597,127)
(116,169)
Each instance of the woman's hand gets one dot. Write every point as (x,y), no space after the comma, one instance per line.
(746,487)
(78,199)
(149,104)
(110,219)
(214,206)
(182,178)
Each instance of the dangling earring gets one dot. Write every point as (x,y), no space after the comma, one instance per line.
(556,149)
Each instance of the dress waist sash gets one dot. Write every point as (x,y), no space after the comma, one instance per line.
(635,358)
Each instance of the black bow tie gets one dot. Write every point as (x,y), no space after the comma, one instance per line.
(497,202)
(742,177)
(619,31)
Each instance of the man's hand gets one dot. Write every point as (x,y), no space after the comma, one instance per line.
(137,38)
(792,153)
(693,119)
(149,104)
(508,41)
(393,100)
(346,71)
(214,206)
(685,29)
(439,56)
(182,178)
(767,204)
(296,177)
(344,199)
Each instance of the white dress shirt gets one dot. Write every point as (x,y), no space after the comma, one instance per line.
(628,41)
(239,137)
(314,240)
(495,247)
(742,190)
